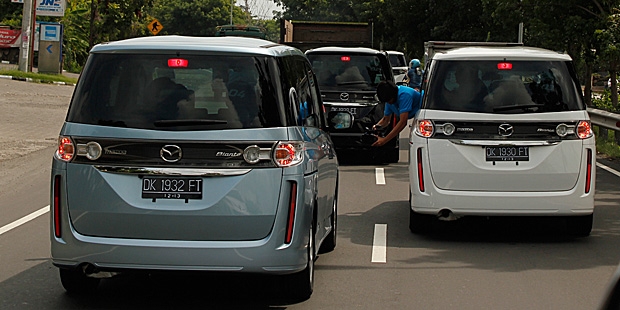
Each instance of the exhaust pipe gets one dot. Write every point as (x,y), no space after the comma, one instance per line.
(92,271)
(446,215)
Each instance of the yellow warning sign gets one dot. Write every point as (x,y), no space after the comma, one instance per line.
(155,27)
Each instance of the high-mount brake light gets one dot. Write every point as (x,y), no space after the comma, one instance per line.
(504,66)
(66,149)
(584,130)
(177,63)
(345,58)
(287,154)
(424,128)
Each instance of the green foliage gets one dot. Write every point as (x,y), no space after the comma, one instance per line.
(194,18)
(11,13)
(604,102)
(607,144)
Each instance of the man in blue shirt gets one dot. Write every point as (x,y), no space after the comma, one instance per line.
(402,101)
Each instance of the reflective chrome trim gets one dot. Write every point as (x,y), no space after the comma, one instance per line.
(503,143)
(173,171)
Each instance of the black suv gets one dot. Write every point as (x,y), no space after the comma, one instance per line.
(348,78)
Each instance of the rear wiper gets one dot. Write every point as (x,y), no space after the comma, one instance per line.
(189,122)
(524,107)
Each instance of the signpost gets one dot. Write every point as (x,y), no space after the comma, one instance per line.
(155,27)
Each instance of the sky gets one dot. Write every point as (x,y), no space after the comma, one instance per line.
(260,8)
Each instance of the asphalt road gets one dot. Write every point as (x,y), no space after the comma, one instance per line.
(475,264)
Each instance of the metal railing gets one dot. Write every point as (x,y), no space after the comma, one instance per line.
(605,119)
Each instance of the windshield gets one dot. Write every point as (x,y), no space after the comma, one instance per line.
(503,87)
(350,72)
(397,60)
(167,92)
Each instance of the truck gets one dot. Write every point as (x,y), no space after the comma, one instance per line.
(240,31)
(432,47)
(10,40)
(306,35)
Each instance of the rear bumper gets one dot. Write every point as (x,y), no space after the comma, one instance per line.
(121,255)
(463,203)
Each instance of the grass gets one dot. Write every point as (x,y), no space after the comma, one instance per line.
(39,77)
(607,146)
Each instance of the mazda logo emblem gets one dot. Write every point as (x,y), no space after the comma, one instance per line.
(506,130)
(171,153)
(344,96)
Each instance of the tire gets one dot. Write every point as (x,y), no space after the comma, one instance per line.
(419,223)
(75,282)
(329,244)
(579,226)
(302,283)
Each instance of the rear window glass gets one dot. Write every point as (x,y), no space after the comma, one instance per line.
(356,72)
(397,60)
(503,87)
(167,92)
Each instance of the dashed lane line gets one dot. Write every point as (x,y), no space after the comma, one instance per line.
(379,244)
(379,176)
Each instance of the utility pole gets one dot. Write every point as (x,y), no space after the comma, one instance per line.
(232,4)
(27,34)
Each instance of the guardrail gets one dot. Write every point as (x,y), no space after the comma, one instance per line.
(604,119)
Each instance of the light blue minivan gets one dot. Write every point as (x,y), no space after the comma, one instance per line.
(194,154)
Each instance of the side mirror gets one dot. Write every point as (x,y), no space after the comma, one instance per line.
(340,119)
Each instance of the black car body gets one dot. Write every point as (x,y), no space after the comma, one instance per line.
(348,79)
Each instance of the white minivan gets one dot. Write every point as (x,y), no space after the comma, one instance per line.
(503,131)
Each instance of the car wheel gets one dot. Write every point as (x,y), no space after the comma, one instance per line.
(75,281)
(579,226)
(302,283)
(330,241)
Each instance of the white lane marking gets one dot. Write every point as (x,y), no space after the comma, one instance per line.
(608,169)
(379,176)
(379,244)
(24,219)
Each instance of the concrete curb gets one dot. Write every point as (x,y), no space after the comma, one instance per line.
(14,78)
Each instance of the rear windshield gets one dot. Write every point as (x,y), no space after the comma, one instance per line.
(397,60)
(167,92)
(351,72)
(503,87)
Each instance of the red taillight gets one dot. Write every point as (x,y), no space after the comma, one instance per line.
(588,171)
(345,58)
(288,154)
(420,171)
(291,213)
(177,63)
(66,150)
(424,128)
(504,66)
(584,130)
(56,207)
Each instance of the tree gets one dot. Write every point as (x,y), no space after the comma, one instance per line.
(195,17)
(609,38)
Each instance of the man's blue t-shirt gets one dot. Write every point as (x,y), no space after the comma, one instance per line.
(408,100)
